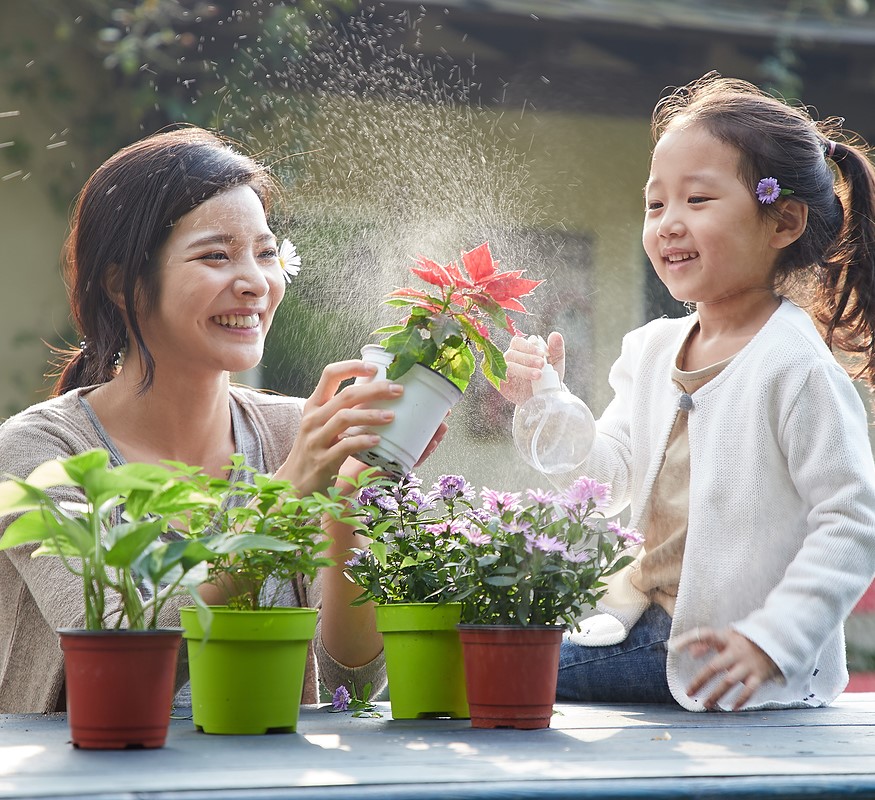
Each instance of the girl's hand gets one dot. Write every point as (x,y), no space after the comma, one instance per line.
(331,425)
(524,362)
(738,657)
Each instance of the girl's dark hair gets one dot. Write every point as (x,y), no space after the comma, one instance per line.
(827,170)
(123,216)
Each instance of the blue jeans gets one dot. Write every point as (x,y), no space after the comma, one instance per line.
(632,671)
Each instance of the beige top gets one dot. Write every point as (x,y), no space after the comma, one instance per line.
(668,512)
(38,595)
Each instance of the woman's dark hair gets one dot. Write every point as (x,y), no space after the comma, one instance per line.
(123,216)
(826,169)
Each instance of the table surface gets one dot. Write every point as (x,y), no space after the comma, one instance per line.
(589,750)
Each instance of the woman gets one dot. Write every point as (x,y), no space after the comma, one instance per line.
(174,280)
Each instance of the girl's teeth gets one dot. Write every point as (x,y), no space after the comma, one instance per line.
(675,258)
(238,320)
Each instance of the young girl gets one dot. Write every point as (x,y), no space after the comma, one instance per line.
(737,439)
(174,279)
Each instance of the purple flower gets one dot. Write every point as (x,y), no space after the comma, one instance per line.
(414,501)
(369,495)
(578,556)
(496,502)
(386,503)
(355,560)
(452,487)
(629,535)
(516,526)
(476,536)
(340,701)
(541,497)
(479,514)
(544,543)
(768,190)
(585,489)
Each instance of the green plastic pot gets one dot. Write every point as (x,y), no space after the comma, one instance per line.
(247,675)
(424,662)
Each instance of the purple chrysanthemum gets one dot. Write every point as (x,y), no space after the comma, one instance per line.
(544,543)
(386,503)
(476,536)
(414,501)
(768,190)
(516,526)
(541,497)
(585,489)
(355,560)
(629,535)
(578,556)
(452,487)
(340,701)
(496,502)
(369,495)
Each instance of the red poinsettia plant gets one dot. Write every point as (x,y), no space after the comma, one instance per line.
(447,324)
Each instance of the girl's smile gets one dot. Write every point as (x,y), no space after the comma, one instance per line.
(703,230)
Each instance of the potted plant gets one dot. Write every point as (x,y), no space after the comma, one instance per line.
(247,659)
(432,351)
(524,571)
(404,572)
(105,525)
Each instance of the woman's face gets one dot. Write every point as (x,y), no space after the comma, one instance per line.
(220,283)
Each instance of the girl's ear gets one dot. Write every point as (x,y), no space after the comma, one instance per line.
(789,222)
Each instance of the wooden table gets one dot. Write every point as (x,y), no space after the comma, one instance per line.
(589,751)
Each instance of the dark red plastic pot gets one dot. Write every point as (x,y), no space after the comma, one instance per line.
(119,686)
(510,674)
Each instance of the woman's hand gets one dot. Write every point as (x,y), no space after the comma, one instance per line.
(743,663)
(524,361)
(331,427)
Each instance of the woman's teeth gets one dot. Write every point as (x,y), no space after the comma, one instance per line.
(238,320)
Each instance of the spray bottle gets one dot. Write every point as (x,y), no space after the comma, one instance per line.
(553,430)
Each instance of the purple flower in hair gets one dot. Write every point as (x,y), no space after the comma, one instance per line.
(768,190)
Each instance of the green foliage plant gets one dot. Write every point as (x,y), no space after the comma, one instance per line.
(265,534)
(111,537)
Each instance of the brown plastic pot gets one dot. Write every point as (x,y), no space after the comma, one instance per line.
(510,674)
(119,686)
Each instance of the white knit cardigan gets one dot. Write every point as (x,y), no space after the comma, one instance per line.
(781,537)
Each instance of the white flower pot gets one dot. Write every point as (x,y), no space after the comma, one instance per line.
(427,398)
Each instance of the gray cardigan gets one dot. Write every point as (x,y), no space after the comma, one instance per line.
(38,595)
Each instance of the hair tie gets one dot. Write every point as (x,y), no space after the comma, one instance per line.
(830,148)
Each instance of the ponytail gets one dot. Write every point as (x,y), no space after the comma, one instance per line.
(845,299)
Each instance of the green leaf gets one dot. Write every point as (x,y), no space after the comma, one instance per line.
(127,541)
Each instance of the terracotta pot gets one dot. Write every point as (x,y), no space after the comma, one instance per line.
(427,398)
(247,674)
(423,660)
(510,674)
(120,686)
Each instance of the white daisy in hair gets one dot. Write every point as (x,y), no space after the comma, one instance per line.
(289,260)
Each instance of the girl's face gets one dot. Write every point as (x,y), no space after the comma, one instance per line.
(704,232)
(220,282)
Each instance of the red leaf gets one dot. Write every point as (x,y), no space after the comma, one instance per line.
(479,264)
(507,286)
